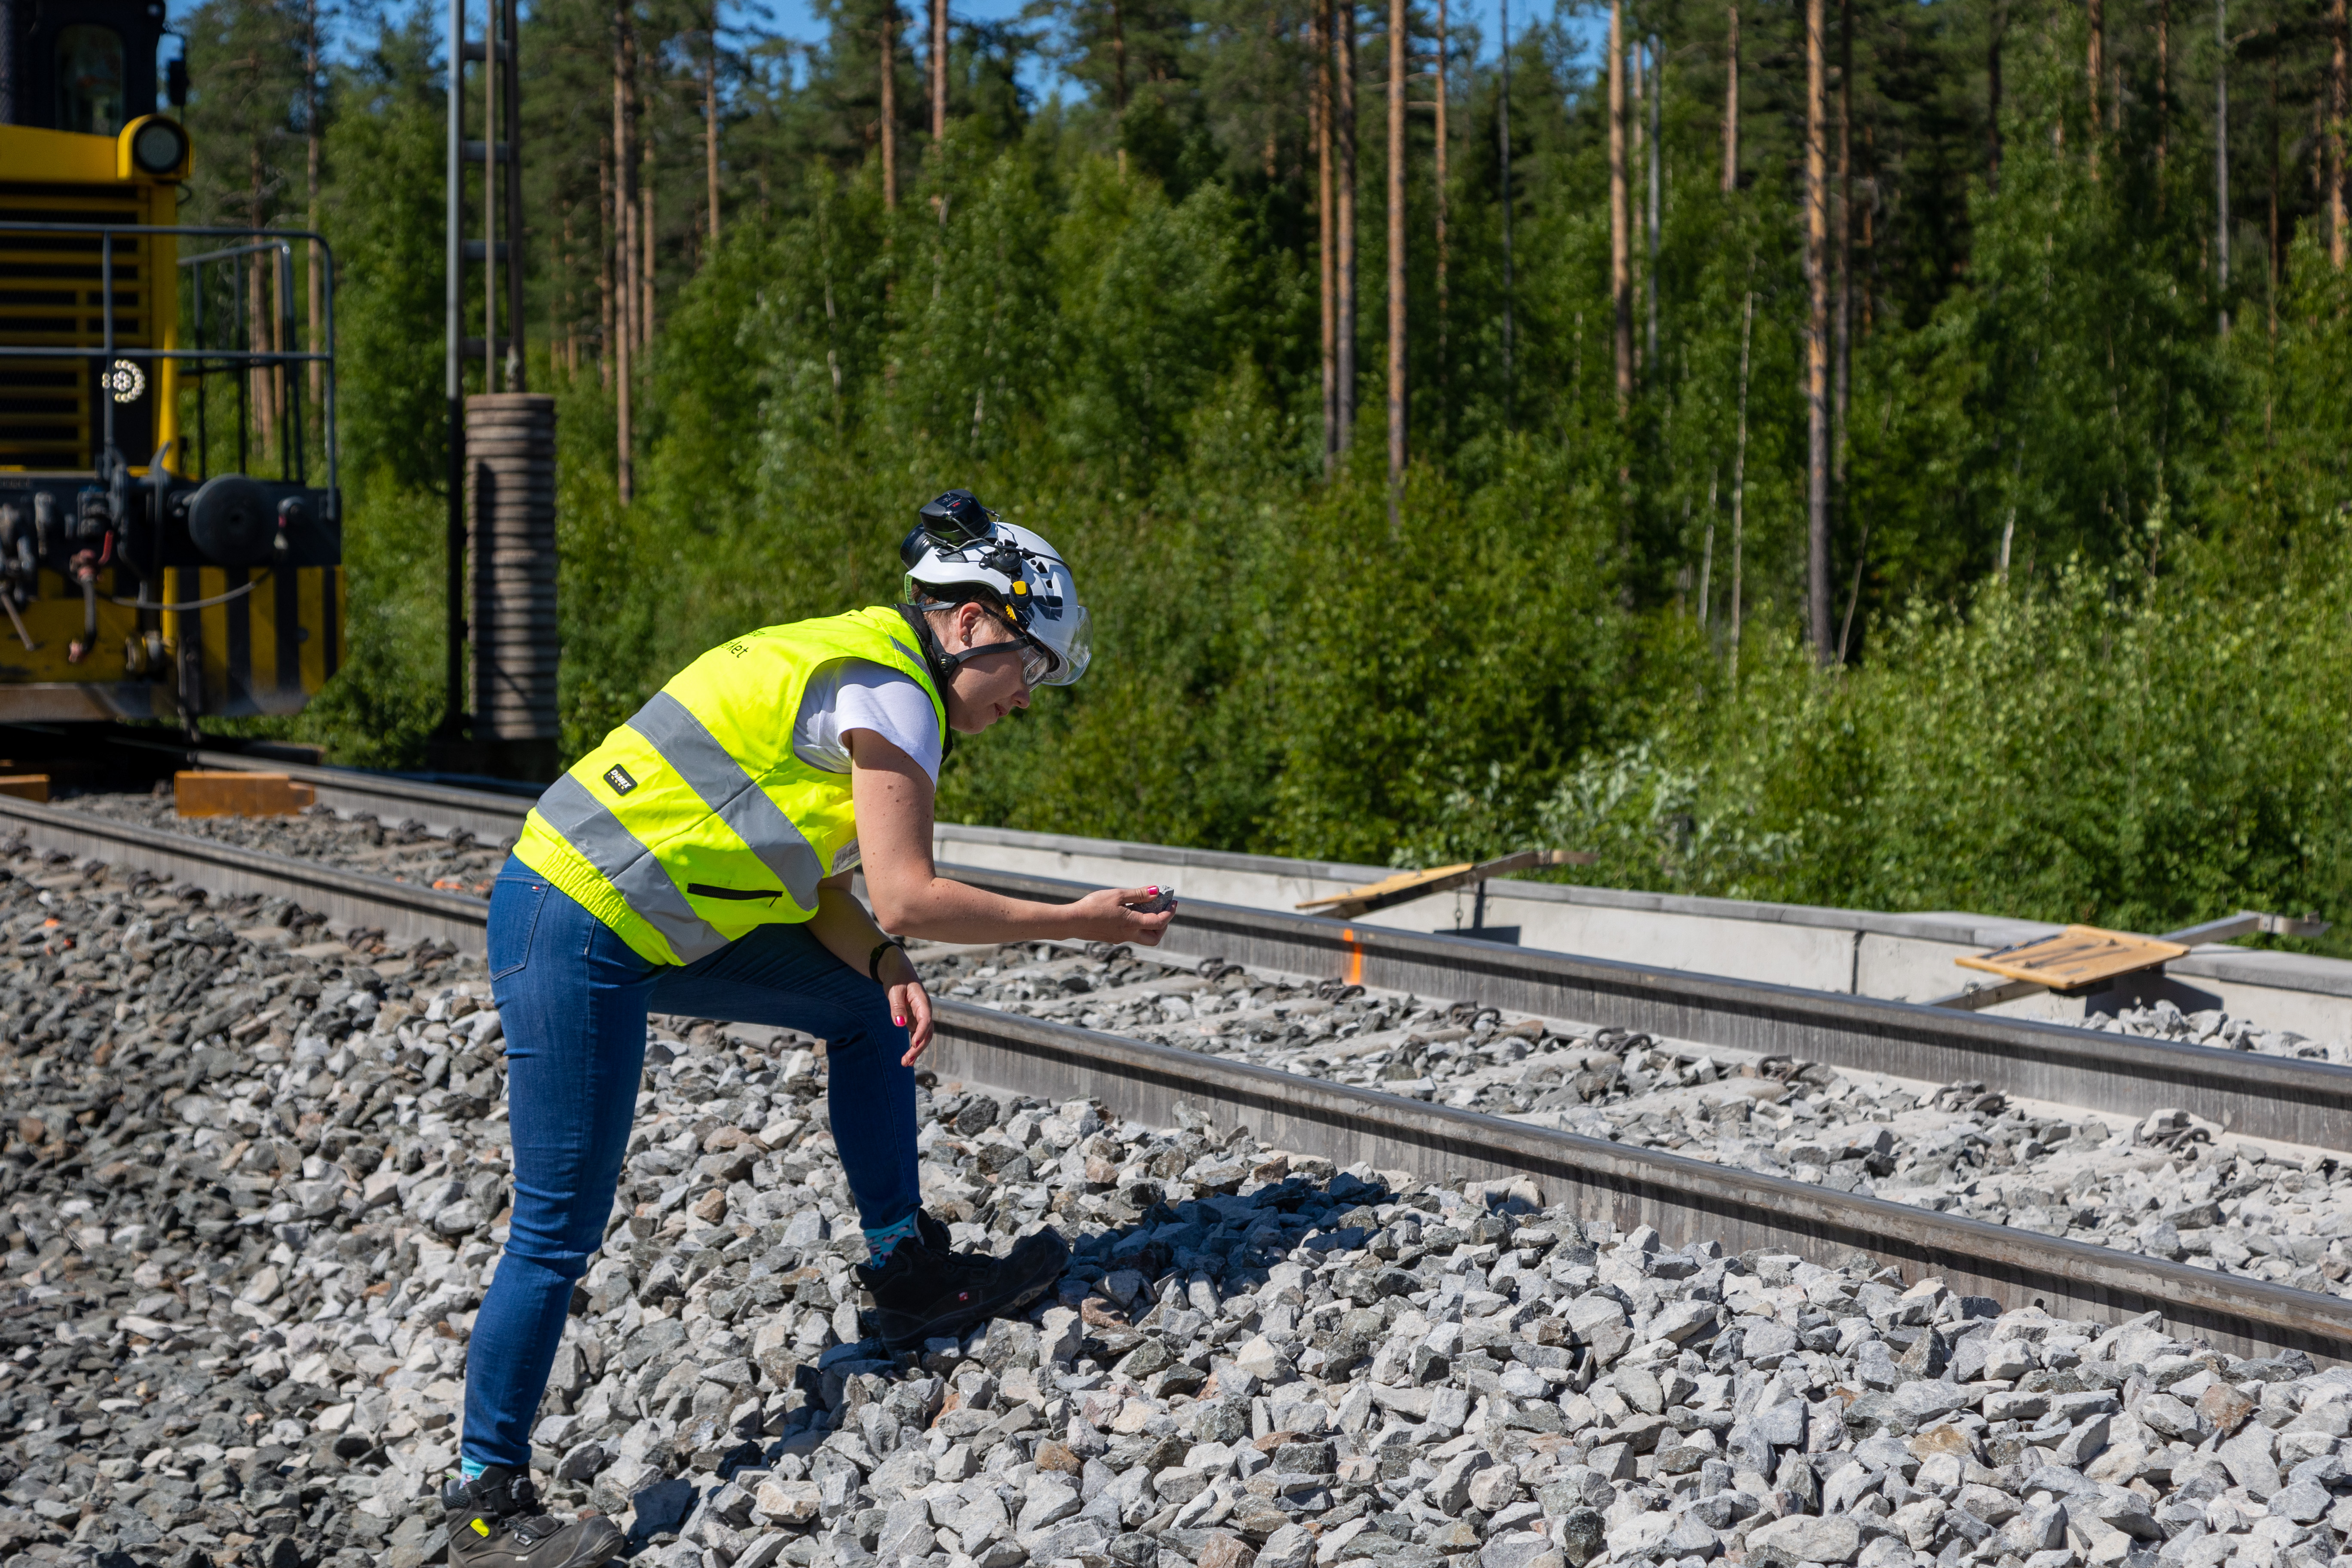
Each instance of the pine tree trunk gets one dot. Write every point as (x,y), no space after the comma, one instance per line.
(1440,176)
(1993,94)
(2095,68)
(2275,260)
(1634,163)
(647,189)
(1657,178)
(2221,158)
(1344,139)
(1119,60)
(1397,38)
(1620,275)
(1731,101)
(889,107)
(257,334)
(1327,234)
(1843,371)
(314,155)
(1503,158)
(711,126)
(1118,77)
(1276,73)
(2337,70)
(625,266)
(939,71)
(1817,333)
(608,226)
(570,331)
(2163,96)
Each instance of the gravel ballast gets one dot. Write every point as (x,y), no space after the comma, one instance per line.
(406,851)
(401,849)
(255,1174)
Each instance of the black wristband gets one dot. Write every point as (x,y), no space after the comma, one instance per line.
(874,959)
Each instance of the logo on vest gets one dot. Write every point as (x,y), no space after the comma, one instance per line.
(618,778)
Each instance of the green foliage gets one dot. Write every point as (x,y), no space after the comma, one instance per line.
(2113,749)
(386,233)
(1101,313)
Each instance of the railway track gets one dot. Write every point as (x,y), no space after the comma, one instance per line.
(2283,1098)
(1686,1199)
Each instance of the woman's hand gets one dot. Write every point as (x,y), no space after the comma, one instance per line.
(910,1004)
(1105,916)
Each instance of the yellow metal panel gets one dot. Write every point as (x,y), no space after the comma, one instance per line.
(55,293)
(213,632)
(320,586)
(342,619)
(54,618)
(164,253)
(261,642)
(30,154)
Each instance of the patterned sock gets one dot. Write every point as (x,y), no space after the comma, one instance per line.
(879,1242)
(471,1470)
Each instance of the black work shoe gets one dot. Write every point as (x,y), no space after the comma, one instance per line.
(924,1290)
(494,1522)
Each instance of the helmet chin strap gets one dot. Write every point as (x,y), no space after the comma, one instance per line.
(938,662)
(943,665)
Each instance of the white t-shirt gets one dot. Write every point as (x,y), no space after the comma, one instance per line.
(859,694)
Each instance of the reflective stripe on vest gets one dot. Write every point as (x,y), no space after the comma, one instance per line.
(628,865)
(733,795)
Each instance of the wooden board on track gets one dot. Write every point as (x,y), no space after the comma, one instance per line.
(206,794)
(1406,884)
(2076,957)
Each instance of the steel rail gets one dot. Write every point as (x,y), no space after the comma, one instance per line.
(488,815)
(2285,1099)
(227,870)
(1687,1200)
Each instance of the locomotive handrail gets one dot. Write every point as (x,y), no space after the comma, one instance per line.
(240,356)
(279,239)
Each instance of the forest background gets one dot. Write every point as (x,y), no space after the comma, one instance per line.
(1959,518)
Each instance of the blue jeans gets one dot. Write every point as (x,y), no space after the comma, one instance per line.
(573,997)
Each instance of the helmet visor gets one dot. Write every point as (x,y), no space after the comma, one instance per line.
(1072,652)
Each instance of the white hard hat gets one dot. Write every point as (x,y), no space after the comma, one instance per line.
(962,551)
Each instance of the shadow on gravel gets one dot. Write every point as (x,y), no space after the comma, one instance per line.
(1219,1271)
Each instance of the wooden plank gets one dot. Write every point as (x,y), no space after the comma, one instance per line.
(1408,885)
(205,793)
(25,786)
(1404,881)
(2076,957)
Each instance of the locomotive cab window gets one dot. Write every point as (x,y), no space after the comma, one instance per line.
(89,78)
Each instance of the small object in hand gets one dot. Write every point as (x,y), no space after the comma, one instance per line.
(1161,900)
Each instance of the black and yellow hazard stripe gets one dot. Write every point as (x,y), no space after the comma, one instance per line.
(267,651)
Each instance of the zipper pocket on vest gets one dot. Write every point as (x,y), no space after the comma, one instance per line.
(761,895)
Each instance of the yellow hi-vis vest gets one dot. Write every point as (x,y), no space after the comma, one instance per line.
(693,821)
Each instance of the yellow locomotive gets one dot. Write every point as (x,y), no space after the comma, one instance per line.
(145,365)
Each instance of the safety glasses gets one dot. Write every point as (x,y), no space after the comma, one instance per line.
(1036,664)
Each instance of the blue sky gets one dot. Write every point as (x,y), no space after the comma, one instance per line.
(797,19)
